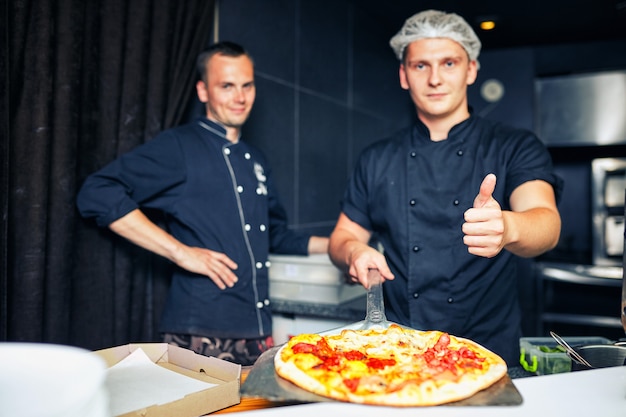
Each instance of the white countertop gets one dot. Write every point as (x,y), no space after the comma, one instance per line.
(594,393)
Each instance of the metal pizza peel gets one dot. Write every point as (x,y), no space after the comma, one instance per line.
(375,308)
(263,382)
(375,314)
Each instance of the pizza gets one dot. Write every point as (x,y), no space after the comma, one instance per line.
(396,366)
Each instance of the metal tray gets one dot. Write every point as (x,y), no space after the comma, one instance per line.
(263,382)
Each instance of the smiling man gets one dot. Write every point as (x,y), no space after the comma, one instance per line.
(452,200)
(223,215)
(227,90)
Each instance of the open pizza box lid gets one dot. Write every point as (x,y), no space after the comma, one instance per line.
(168,380)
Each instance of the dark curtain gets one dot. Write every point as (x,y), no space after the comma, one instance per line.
(86,80)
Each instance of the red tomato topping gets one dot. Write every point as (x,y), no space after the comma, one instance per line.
(376,363)
(351,383)
(354,355)
(321,349)
(304,348)
(442,343)
(324,348)
(467,353)
(331,362)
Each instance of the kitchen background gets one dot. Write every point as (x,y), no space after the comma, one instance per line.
(327,86)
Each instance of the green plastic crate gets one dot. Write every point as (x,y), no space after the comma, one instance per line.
(537,355)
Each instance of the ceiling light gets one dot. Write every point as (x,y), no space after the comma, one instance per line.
(488,22)
(487,25)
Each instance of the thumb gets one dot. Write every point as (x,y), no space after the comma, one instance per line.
(486,190)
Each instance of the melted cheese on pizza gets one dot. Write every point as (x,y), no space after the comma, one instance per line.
(413,367)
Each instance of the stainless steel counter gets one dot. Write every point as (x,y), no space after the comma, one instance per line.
(599,392)
(352,310)
(582,274)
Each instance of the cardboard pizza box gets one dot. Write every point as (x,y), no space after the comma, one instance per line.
(223,377)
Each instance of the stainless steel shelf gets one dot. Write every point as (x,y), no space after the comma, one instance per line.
(591,290)
(352,310)
(581,319)
(610,276)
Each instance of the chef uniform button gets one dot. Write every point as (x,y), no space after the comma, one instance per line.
(259,265)
(247,227)
(416,248)
(268,264)
(413,202)
(455,202)
(262,228)
(416,295)
(226,151)
(413,154)
(450,300)
(259,304)
(266,302)
(246,155)
(239,189)
(459,152)
(259,191)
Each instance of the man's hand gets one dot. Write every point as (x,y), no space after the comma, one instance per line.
(137,228)
(215,265)
(484,226)
(349,250)
(364,258)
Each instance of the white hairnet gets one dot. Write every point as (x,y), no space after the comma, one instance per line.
(436,24)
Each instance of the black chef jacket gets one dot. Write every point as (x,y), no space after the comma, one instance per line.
(411,192)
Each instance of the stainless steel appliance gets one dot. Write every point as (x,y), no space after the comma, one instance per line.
(580,295)
(582,120)
(582,109)
(609,183)
(623,306)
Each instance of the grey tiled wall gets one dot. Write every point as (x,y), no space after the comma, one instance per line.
(327,85)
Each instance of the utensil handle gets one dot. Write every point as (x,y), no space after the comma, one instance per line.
(571,352)
(375,303)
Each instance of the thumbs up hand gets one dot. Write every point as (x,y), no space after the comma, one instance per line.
(484,223)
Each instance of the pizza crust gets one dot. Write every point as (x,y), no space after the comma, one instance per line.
(409,382)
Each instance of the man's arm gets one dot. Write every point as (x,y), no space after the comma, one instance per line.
(318,244)
(531,228)
(140,230)
(349,251)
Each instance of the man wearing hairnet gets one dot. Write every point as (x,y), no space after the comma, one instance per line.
(452,200)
